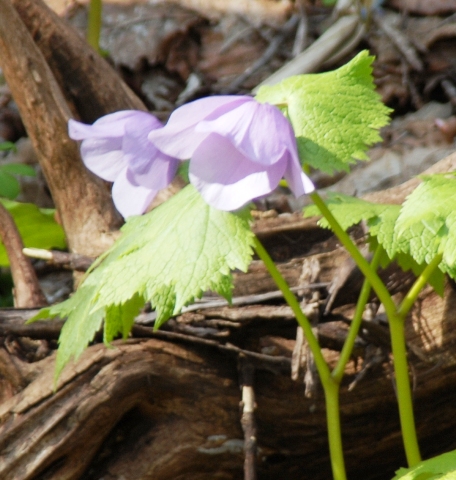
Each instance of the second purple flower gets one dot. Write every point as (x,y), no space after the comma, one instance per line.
(116,148)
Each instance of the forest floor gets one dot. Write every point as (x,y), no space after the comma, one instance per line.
(170,53)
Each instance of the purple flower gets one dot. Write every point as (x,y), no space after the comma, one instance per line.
(239,149)
(116,148)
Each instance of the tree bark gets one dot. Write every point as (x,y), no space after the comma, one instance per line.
(83,201)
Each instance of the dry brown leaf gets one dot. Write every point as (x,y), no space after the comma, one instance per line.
(424,7)
(273,12)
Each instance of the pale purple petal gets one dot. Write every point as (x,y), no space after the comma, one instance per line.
(178,137)
(102,143)
(226,179)
(260,131)
(138,151)
(104,157)
(129,198)
(111,125)
(159,173)
(297,180)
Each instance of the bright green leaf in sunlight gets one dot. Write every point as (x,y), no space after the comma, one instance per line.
(335,115)
(442,467)
(381,222)
(349,211)
(426,225)
(37,227)
(169,256)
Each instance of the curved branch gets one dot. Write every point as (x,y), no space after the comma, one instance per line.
(27,291)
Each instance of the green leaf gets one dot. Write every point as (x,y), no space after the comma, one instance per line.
(18,169)
(182,171)
(426,225)
(381,220)
(442,467)
(4,146)
(9,186)
(119,318)
(437,278)
(80,328)
(169,256)
(349,211)
(335,115)
(36,226)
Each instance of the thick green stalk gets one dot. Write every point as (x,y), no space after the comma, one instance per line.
(404,394)
(94,24)
(370,274)
(330,387)
(403,389)
(347,349)
(396,322)
(303,321)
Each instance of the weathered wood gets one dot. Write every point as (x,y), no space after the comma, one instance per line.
(152,408)
(83,201)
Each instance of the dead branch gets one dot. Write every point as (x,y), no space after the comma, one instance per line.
(72,261)
(27,291)
(248,418)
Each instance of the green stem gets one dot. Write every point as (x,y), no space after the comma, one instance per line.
(404,392)
(303,321)
(419,284)
(330,387)
(396,322)
(94,24)
(363,265)
(347,349)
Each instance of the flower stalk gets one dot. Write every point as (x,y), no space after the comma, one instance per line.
(396,319)
(330,386)
(94,24)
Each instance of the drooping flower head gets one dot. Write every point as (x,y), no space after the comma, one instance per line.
(239,149)
(116,148)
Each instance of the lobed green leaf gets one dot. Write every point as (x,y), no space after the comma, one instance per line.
(335,115)
(381,220)
(442,467)
(349,211)
(169,256)
(426,226)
